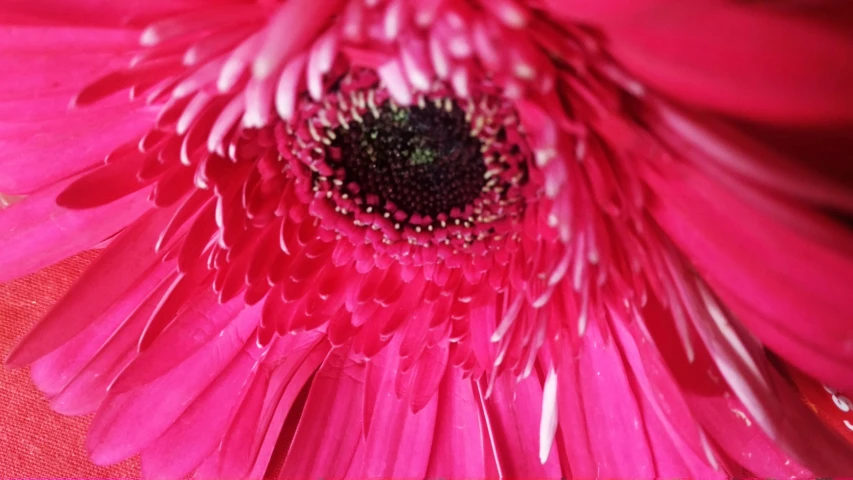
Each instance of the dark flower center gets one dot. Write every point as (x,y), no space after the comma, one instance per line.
(446,174)
(423,160)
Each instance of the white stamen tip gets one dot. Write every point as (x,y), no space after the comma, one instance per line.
(149,37)
(548,422)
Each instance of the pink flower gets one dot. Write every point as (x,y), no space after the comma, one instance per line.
(556,238)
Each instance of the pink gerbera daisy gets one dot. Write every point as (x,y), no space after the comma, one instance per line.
(481,238)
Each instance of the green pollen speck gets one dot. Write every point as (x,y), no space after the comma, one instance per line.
(422,156)
(401,117)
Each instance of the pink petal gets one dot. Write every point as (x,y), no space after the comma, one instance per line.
(103,185)
(57,61)
(198,431)
(255,427)
(398,442)
(194,327)
(676,438)
(726,420)
(107,278)
(72,142)
(745,60)
(321,448)
(512,415)
(279,412)
(774,405)
(88,389)
(53,372)
(773,278)
(128,422)
(457,445)
(612,419)
(43,69)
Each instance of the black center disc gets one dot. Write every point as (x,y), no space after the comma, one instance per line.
(423,160)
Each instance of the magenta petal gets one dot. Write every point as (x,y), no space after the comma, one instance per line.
(56,61)
(35,233)
(457,445)
(321,447)
(747,60)
(614,423)
(198,431)
(128,422)
(773,403)
(512,418)
(114,272)
(399,442)
(677,442)
(53,372)
(36,126)
(85,392)
(104,184)
(289,383)
(193,328)
(772,277)
(727,422)
(255,428)
(72,143)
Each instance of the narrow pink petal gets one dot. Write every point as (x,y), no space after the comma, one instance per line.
(755,62)
(399,442)
(255,427)
(321,448)
(35,233)
(57,61)
(512,414)
(728,422)
(291,37)
(107,278)
(735,158)
(128,422)
(457,445)
(767,397)
(194,327)
(773,278)
(614,423)
(104,184)
(88,389)
(35,122)
(198,431)
(73,142)
(675,436)
(289,81)
(281,411)
(56,370)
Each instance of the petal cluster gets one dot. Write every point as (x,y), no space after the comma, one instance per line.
(605,307)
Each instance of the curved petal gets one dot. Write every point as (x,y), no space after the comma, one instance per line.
(321,447)
(457,447)
(742,59)
(128,422)
(773,278)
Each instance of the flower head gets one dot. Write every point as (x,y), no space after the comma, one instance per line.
(434,238)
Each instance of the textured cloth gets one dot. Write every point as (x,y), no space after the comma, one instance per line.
(35,441)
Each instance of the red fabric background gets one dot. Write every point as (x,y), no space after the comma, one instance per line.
(36,442)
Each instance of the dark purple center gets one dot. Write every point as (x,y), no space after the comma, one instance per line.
(423,160)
